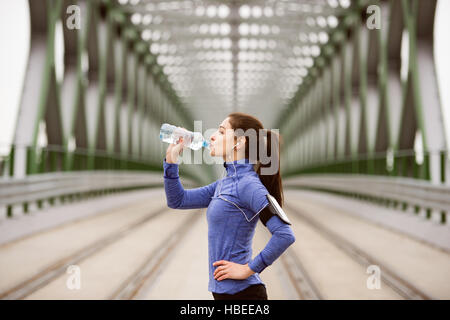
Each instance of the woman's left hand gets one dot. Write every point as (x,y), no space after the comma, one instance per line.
(230,270)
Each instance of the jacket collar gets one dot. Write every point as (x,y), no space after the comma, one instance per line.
(241,165)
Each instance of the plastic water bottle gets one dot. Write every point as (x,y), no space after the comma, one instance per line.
(193,140)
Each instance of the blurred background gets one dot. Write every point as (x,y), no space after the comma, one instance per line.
(357,88)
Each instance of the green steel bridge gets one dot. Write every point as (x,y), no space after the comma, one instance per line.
(352,85)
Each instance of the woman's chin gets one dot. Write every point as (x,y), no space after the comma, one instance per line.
(212,153)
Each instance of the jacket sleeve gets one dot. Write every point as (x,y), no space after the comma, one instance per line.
(179,198)
(282,238)
(254,197)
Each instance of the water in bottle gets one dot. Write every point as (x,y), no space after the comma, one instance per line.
(194,140)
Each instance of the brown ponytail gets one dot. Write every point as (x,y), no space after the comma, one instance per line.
(271,149)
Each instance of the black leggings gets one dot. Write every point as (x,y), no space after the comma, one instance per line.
(253,292)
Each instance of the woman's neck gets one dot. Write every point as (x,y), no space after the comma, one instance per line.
(236,156)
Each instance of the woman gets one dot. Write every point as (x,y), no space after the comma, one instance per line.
(234,204)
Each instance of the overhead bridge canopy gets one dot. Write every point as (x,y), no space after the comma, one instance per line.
(224,56)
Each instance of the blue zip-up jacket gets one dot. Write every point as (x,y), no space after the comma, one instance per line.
(233,203)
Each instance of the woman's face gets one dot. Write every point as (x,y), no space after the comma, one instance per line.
(222,140)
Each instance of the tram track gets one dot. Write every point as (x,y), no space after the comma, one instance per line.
(56,269)
(305,286)
(299,278)
(146,274)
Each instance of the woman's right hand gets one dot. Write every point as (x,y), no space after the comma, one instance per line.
(174,150)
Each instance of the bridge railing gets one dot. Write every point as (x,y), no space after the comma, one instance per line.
(53,158)
(73,185)
(396,191)
(53,172)
(399,163)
